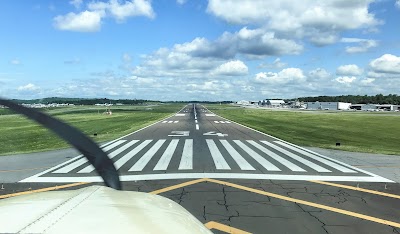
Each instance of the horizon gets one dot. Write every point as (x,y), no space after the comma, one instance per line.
(201,50)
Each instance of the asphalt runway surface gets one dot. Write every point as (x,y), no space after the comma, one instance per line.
(227,174)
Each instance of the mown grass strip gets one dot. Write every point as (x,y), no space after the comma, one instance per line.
(355,132)
(20,135)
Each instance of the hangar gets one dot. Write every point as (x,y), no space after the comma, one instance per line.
(328,105)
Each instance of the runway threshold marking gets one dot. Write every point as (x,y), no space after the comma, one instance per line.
(356,189)
(224,228)
(298,201)
(42,190)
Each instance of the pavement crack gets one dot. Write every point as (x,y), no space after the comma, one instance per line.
(204,213)
(181,195)
(224,204)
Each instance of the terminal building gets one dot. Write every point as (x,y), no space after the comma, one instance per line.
(328,105)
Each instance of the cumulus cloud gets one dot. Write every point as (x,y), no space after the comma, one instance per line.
(345,79)
(123,11)
(232,68)
(320,21)
(76,3)
(319,74)
(251,42)
(397,4)
(28,87)
(387,63)
(349,70)
(363,45)
(90,20)
(367,81)
(285,76)
(86,21)
(276,64)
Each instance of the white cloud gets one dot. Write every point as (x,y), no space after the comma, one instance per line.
(319,74)
(349,70)
(86,21)
(363,45)
(397,4)
(321,21)
(28,87)
(15,61)
(76,3)
(249,42)
(387,63)
(345,79)
(123,11)
(232,68)
(90,20)
(367,81)
(285,76)
(276,64)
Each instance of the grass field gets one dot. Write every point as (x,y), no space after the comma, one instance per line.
(359,132)
(20,135)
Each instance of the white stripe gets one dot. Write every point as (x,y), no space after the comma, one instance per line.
(261,160)
(170,121)
(216,121)
(176,121)
(120,162)
(169,176)
(142,162)
(82,161)
(327,162)
(164,121)
(242,163)
(187,156)
(219,160)
(297,158)
(90,168)
(210,115)
(196,121)
(227,122)
(167,156)
(197,127)
(278,158)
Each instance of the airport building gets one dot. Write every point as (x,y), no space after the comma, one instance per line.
(328,105)
(375,107)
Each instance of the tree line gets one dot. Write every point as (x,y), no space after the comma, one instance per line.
(356,99)
(84,101)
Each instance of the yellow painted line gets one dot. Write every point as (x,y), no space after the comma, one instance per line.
(177,186)
(42,190)
(329,208)
(26,169)
(356,189)
(224,228)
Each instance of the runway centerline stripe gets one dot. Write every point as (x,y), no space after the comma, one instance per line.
(260,159)
(187,156)
(90,168)
(297,158)
(120,162)
(142,162)
(242,163)
(216,155)
(325,161)
(82,161)
(284,162)
(165,159)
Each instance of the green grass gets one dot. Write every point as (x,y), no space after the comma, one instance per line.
(356,132)
(20,135)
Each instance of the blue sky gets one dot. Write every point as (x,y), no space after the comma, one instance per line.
(198,50)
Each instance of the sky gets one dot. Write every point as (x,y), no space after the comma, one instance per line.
(177,50)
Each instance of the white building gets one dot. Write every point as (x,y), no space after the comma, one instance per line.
(328,105)
(274,103)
